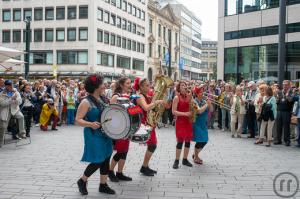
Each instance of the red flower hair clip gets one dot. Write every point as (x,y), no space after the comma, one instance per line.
(136,83)
(93,78)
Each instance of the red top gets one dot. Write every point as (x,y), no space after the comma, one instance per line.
(184,126)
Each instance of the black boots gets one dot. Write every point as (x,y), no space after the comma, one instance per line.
(122,177)
(82,187)
(104,188)
(185,162)
(147,171)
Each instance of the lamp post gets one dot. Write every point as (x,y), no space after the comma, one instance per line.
(28,37)
(281,42)
(170,53)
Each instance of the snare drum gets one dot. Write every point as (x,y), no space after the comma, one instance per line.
(142,135)
(124,119)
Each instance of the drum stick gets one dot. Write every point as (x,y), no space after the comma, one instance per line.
(107,120)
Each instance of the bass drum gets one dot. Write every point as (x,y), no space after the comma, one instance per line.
(120,124)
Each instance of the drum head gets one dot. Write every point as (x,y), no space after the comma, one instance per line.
(119,126)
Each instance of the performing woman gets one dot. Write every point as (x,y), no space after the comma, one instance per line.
(143,88)
(200,132)
(97,146)
(184,130)
(123,88)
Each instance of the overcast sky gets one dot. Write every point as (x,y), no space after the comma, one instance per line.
(207,11)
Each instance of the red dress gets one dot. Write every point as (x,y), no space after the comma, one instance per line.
(152,140)
(184,126)
(122,145)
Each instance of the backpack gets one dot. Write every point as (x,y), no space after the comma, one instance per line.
(266,112)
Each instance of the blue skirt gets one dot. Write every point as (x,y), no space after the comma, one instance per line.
(200,132)
(97,146)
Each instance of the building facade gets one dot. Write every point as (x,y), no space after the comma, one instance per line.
(190,41)
(79,37)
(209,59)
(248,39)
(162,25)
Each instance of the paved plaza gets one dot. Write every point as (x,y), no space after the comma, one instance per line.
(233,168)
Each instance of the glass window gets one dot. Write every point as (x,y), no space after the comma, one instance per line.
(27,13)
(71,34)
(134,28)
(38,14)
(138,64)
(124,6)
(72,12)
(83,34)
(128,44)
(41,58)
(150,25)
(129,26)
(250,6)
(150,50)
(159,30)
(133,10)
(6,15)
(124,24)
(142,48)
(143,15)
(60,34)
(138,13)
(119,4)
(271,30)
(113,2)
(159,51)
(105,59)
(38,35)
(124,43)
(230,65)
(118,22)
(100,14)
(49,36)
(106,37)
(17,36)
(72,57)
(119,42)
(106,17)
(83,12)
(60,13)
(113,19)
(138,47)
(49,13)
(293,58)
(123,62)
(129,8)
(17,15)
(133,47)
(113,39)
(248,62)
(231,7)
(100,35)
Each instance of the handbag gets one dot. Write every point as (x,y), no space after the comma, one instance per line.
(294,120)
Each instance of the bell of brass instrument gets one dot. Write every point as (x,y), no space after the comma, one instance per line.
(193,107)
(162,84)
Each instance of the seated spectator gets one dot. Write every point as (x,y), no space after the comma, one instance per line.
(10,100)
(48,114)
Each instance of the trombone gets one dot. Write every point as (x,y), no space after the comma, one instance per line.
(215,102)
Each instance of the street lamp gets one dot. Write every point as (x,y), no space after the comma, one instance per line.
(28,35)
(281,42)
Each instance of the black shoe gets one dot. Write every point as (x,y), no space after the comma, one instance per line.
(146,171)
(15,137)
(104,188)
(186,163)
(121,177)
(82,187)
(175,165)
(153,171)
(277,143)
(54,129)
(112,176)
(250,136)
(28,135)
(287,144)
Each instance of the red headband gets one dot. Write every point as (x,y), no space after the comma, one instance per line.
(93,78)
(197,90)
(136,84)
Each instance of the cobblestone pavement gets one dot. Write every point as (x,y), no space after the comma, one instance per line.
(233,168)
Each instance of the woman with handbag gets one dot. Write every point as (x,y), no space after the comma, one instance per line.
(267,116)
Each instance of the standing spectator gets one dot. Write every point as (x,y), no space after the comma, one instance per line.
(251,115)
(40,96)
(258,102)
(71,108)
(65,105)
(268,116)
(28,100)
(284,107)
(237,112)
(10,100)
(48,114)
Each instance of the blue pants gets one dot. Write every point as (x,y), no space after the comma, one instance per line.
(70,116)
